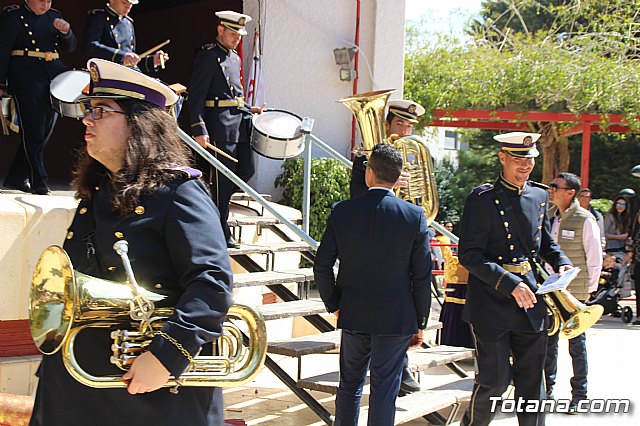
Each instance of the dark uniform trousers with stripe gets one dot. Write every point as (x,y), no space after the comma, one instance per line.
(216,109)
(24,40)
(502,228)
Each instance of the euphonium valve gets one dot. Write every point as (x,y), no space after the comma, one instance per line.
(422,189)
(64,302)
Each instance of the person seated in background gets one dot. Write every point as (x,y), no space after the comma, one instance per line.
(609,274)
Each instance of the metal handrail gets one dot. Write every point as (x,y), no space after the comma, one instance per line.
(246,188)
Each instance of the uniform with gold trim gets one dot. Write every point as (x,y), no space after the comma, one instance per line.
(216,108)
(175,250)
(109,36)
(497,262)
(30,48)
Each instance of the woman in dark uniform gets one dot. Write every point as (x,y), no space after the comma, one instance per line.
(132,184)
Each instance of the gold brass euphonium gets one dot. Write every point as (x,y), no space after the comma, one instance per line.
(570,316)
(64,302)
(368,109)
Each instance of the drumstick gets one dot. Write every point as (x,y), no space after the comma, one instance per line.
(221,152)
(154,48)
(5,128)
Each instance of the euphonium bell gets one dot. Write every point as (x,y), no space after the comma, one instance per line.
(368,109)
(570,317)
(63,302)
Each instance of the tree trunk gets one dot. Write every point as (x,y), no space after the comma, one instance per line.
(555,151)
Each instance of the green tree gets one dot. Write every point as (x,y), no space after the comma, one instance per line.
(573,63)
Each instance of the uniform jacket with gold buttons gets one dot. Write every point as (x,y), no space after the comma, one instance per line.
(176,249)
(216,76)
(21,29)
(488,240)
(108,36)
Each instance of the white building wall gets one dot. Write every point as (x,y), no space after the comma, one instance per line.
(299,68)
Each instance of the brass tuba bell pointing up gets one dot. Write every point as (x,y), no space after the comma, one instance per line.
(368,109)
(64,302)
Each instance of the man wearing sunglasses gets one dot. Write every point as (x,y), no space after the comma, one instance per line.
(504,228)
(577,232)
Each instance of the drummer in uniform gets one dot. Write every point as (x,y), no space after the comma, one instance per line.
(401,118)
(217,111)
(110,35)
(504,228)
(32,36)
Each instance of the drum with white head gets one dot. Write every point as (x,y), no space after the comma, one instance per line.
(276,134)
(65,90)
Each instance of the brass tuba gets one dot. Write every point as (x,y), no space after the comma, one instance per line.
(368,109)
(570,317)
(64,302)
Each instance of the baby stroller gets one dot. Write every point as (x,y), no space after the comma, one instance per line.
(609,295)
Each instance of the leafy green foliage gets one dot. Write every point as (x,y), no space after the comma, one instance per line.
(612,157)
(602,205)
(329,184)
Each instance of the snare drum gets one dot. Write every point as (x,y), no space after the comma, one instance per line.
(65,90)
(276,134)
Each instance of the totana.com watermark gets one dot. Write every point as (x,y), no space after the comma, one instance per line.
(559,405)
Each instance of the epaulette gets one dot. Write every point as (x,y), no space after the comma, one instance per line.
(539,185)
(129,18)
(95,11)
(208,46)
(10,8)
(189,171)
(479,190)
(54,10)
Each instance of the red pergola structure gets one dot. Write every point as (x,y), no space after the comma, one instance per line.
(510,120)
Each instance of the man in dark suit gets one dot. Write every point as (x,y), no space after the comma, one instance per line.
(32,36)
(504,228)
(381,296)
(217,111)
(110,35)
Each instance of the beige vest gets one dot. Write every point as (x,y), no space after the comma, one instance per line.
(570,240)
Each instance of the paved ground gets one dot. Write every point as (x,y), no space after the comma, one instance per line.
(612,348)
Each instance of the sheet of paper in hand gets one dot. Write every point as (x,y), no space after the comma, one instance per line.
(558,282)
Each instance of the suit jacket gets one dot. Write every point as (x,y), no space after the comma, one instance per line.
(488,240)
(383,286)
(21,29)
(216,76)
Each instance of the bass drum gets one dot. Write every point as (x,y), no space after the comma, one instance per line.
(276,134)
(65,90)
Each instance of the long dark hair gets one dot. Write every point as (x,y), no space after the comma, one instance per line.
(622,220)
(152,151)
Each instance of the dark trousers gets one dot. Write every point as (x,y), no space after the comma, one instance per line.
(578,352)
(493,350)
(37,120)
(357,185)
(384,357)
(221,187)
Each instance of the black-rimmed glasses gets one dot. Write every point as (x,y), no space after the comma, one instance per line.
(96,112)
